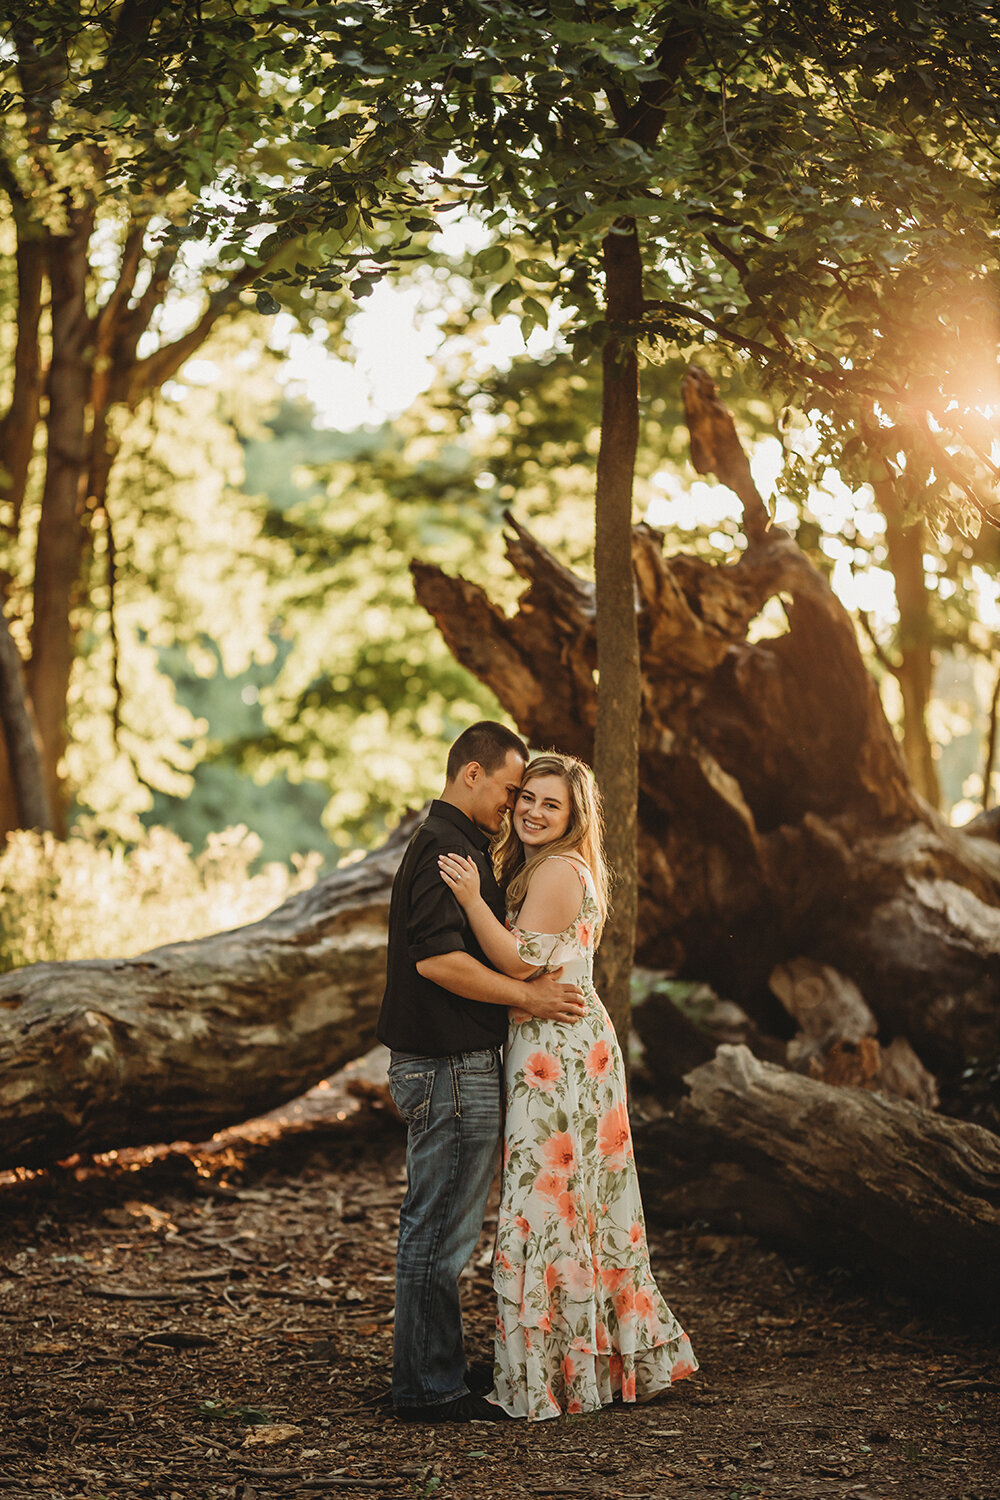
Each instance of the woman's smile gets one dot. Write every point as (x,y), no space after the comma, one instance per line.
(541,813)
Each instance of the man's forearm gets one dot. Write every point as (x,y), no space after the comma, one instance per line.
(466,976)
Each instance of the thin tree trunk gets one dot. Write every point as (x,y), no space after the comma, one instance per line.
(62,535)
(991,745)
(17,430)
(619,693)
(915,670)
(21,738)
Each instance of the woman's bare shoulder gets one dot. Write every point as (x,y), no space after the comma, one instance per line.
(553,893)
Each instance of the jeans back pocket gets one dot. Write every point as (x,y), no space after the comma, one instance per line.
(411,1088)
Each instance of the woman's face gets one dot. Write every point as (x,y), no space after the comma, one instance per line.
(541,812)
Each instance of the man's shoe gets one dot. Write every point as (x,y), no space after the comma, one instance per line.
(462,1409)
(479,1377)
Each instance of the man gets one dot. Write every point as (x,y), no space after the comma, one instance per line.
(444,1017)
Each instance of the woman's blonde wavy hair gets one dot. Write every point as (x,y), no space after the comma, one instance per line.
(584,836)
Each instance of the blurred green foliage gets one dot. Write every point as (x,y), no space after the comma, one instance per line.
(86,898)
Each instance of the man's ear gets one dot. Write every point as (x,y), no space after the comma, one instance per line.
(472,773)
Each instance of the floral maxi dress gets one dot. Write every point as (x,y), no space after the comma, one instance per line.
(580,1319)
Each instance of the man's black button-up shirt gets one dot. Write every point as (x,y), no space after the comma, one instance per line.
(425,920)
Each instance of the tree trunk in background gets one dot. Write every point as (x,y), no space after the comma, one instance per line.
(62,533)
(915,669)
(17,429)
(22,742)
(616,738)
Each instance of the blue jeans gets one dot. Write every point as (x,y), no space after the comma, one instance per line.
(452,1108)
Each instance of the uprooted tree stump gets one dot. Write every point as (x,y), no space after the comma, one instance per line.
(852,1177)
(777,820)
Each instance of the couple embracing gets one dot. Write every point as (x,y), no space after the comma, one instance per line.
(495,1029)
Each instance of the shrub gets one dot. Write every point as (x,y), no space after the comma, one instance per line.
(82,898)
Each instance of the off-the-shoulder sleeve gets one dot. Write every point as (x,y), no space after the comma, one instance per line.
(537,947)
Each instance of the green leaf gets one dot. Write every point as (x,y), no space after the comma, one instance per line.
(503,297)
(534,310)
(267,304)
(491,260)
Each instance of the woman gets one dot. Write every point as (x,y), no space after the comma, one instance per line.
(580,1319)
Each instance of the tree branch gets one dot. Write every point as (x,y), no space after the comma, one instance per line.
(110,315)
(716,449)
(150,373)
(881,654)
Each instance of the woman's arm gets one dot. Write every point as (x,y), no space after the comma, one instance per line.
(552,901)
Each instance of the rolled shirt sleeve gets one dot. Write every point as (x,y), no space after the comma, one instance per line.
(436,923)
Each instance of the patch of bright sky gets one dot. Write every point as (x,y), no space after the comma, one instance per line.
(395,340)
(701,506)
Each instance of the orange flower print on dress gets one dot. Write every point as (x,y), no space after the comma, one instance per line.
(551,1279)
(523,1227)
(602,1338)
(578,1280)
(568,1369)
(560,1151)
(574,1408)
(584,934)
(566,1208)
(614,1138)
(644,1305)
(598,1059)
(550,1185)
(684,1367)
(628,1388)
(635,1233)
(542,1071)
(624,1301)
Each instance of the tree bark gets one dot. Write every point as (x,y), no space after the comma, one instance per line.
(17,430)
(915,669)
(777,819)
(22,742)
(856,1178)
(616,738)
(193,1036)
(62,534)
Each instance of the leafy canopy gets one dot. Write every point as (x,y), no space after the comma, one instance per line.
(815,184)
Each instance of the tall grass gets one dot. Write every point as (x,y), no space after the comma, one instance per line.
(84,899)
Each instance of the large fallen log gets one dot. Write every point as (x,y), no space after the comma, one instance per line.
(184,1039)
(777,820)
(855,1178)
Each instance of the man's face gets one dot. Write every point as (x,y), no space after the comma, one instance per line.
(493,793)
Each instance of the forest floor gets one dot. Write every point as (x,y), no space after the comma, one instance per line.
(215,1322)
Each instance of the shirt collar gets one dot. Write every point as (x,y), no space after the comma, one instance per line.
(452,814)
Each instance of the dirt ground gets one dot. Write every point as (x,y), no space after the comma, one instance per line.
(217,1323)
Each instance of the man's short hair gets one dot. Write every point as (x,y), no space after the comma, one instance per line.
(487,743)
